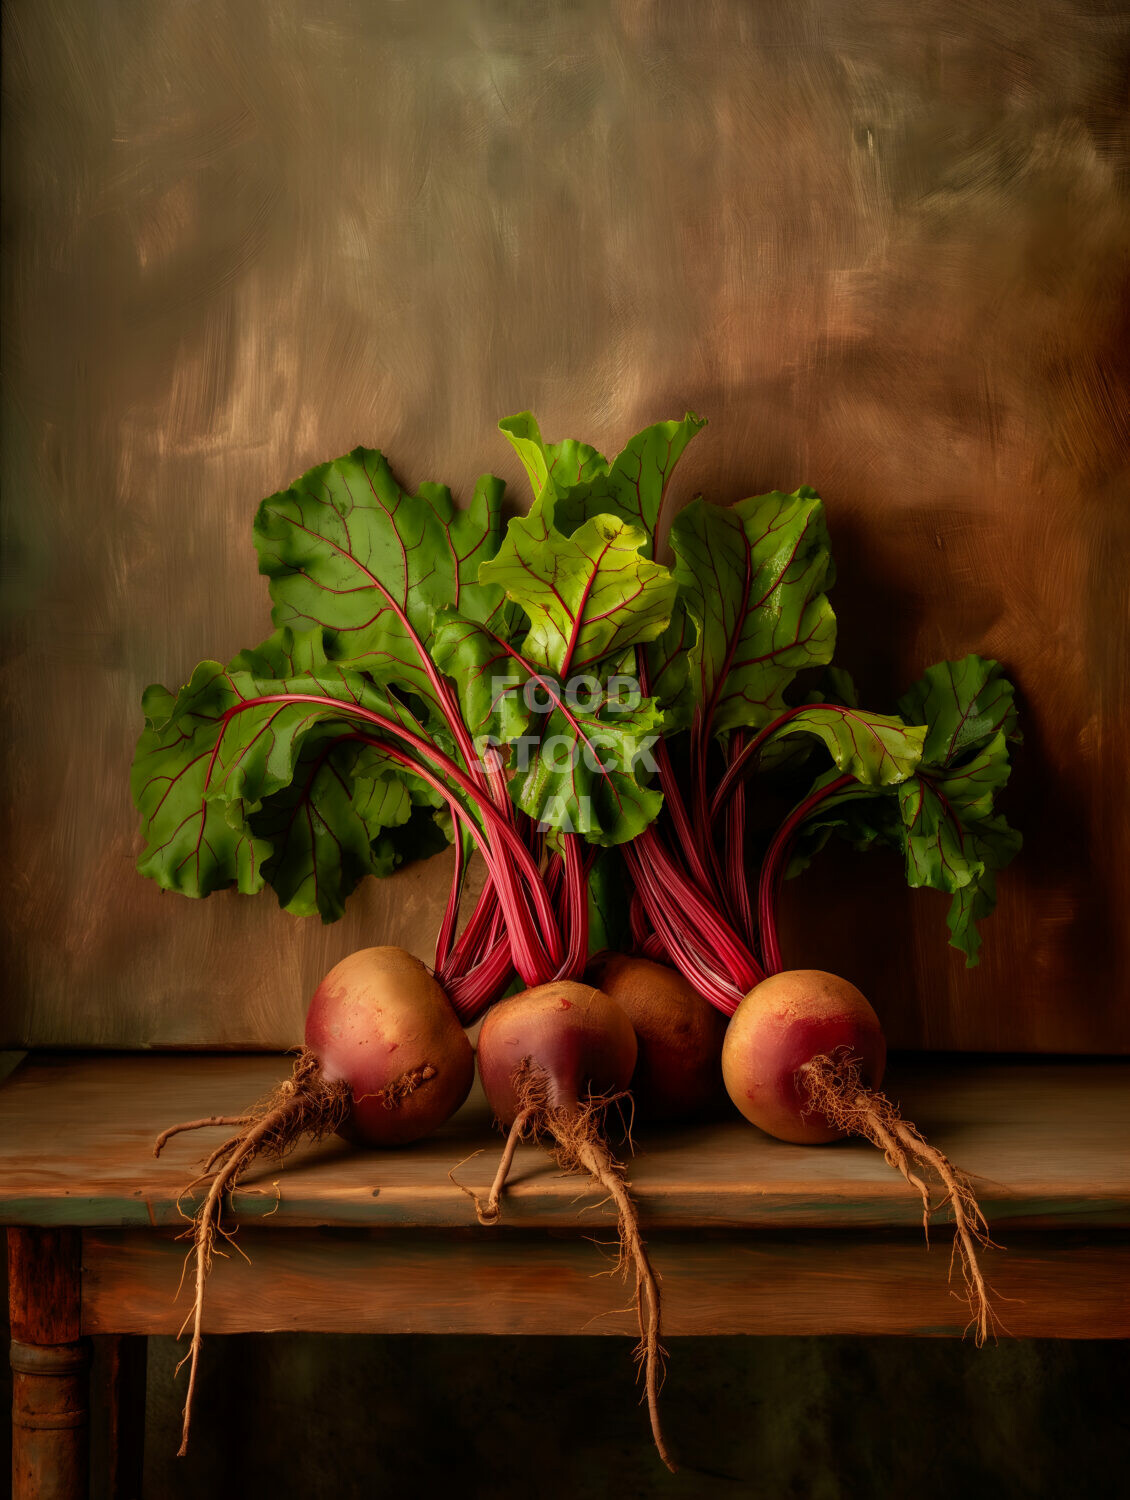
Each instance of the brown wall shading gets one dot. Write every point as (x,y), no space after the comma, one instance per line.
(881,246)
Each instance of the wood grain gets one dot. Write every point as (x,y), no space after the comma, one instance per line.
(884,252)
(50,1421)
(1048,1144)
(499,1282)
(44,1291)
(49,1359)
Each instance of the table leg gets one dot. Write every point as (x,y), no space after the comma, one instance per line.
(49,1365)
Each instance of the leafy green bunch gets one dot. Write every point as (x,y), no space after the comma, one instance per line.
(418,688)
(549,690)
(733,674)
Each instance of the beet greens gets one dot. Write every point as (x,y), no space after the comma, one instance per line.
(418,688)
(733,674)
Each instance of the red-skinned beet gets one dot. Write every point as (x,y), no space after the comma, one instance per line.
(580,1039)
(679,1068)
(780,1026)
(551,1061)
(385,1062)
(382,1025)
(803,1059)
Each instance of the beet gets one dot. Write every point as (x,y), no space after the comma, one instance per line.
(679,1069)
(803,1059)
(574,1034)
(782,1024)
(380,1023)
(385,1062)
(551,1061)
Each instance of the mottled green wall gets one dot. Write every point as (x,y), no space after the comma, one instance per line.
(880,244)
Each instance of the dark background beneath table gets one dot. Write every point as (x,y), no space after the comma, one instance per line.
(821,1418)
(340,1416)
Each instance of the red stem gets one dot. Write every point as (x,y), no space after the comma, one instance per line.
(775,864)
(672,793)
(742,765)
(642,931)
(470,946)
(740,903)
(534,960)
(682,946)
(472,992)
(652,947)
(576,910)
(696,935)
(703,832)
(530,956)
(451,912)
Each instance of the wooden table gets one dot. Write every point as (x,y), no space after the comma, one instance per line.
(749,1235)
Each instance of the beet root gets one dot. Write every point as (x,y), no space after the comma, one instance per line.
(834,1084)
(379,1022)
(803,1058)
(580,1039)
(780,1025)
(552,1061)
(679,1069)
(385,1062)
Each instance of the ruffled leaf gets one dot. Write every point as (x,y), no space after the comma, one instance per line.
(352,554)
(587,596)
(573,482)
(753,577)
(575,752)
(237,791)
(876,749)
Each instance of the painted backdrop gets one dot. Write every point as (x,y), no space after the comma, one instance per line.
(880,245)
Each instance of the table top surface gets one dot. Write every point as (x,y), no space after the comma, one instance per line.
(1047,1143)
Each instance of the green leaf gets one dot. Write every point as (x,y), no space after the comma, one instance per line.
(834,687)
(577,747)
(668,660)
(994,844)
(572,463)
(857,814)
(328,827)
(942,816)
(965,704)
(352,554)
(217,787)
(876,749)
(753,577)
(574,751)
(586,596)
(579,772)
(609,895)
(952,840)
(258,750)
(490,677)
(192,846)
(573,482)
